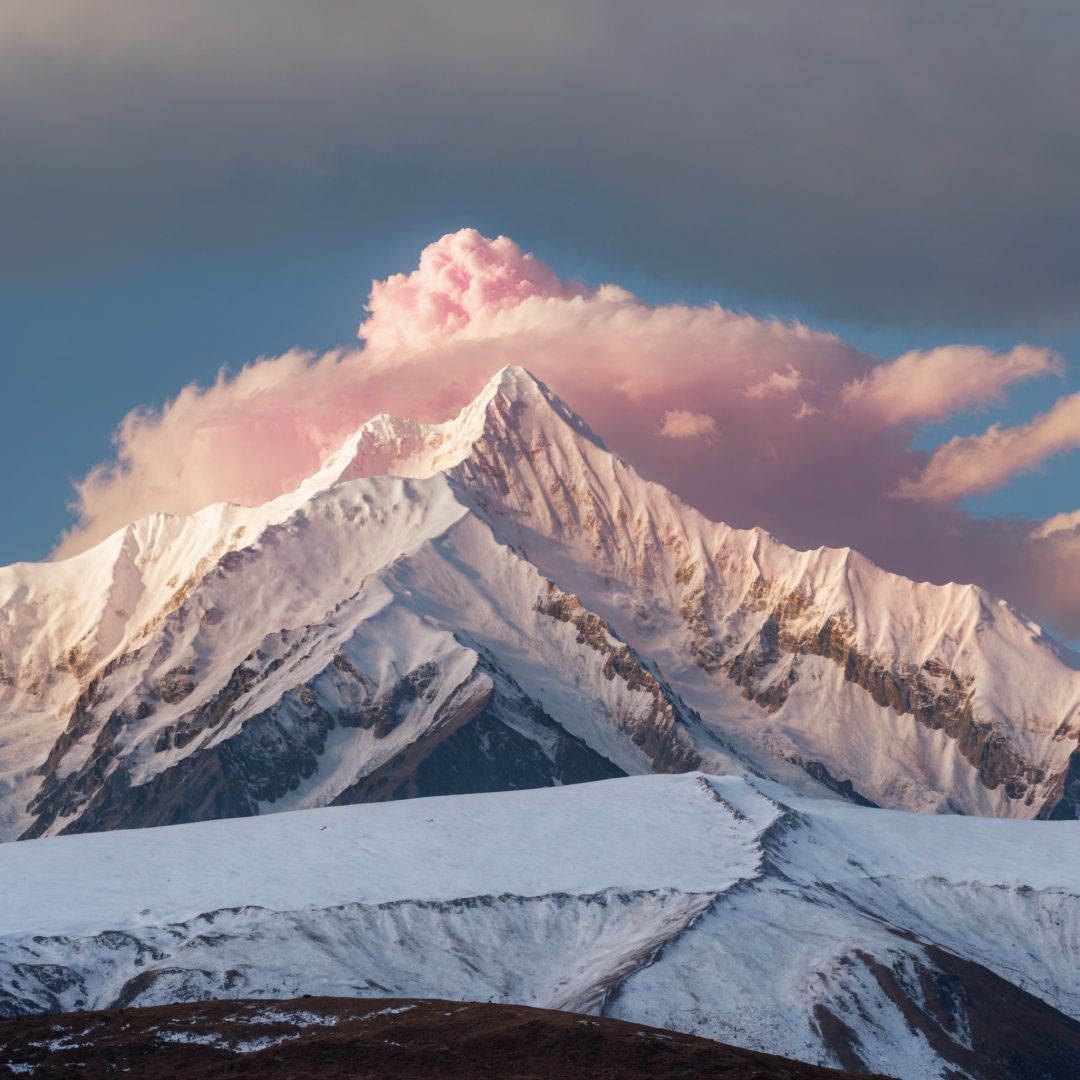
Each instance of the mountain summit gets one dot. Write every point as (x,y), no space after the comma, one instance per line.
(498,602)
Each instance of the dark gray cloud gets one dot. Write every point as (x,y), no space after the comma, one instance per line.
(890,159)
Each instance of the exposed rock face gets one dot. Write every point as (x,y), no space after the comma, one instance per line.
(483,735)
(1064,802)
(663,735)
(844,788)
(974,1020)
(390,709)
(177,685)
(932,693)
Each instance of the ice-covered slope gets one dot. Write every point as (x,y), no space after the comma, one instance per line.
(914,945)
(498,602)
(920,696)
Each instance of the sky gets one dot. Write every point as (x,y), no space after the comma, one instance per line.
(187,187)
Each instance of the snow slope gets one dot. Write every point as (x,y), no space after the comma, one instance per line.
(494,603)
(725,906)
(528,843)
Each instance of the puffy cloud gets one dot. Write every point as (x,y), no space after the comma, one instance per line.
(1059,523)
(462,279)
(980,463)
(816,435)
(683,424)
(779,382)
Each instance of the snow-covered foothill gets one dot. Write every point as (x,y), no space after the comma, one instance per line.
(726,906)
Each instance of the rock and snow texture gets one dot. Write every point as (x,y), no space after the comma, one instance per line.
(495,603)
(912,945)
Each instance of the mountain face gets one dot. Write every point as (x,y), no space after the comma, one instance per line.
(727,907)
(496,603)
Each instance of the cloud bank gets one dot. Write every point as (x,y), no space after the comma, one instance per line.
(754,421)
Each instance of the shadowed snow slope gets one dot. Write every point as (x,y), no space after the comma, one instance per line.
(912,945)
(493,603)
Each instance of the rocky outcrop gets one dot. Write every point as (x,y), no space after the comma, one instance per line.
(485,736)
(976,1022)
(1064,801)
(177,684)
(844,788)
(705,650)
(934,695)
(662,735)
(390,709)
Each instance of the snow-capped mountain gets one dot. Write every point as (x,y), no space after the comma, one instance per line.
(917,946)
(498,602)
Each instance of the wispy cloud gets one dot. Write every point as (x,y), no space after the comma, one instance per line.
(935,384)
(981,463)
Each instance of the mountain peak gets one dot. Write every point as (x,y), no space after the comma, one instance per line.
(395,446)
(521,387)
(514,383)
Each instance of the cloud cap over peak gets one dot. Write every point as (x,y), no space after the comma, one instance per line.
(754,421)
(463,278)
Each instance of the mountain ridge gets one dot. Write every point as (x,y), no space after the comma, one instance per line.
(490,532)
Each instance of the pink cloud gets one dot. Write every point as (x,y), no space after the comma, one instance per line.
(462,279)
(1059,523)
(823,431)
(779,382)
(980,463)
(683,424)
(932,385)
